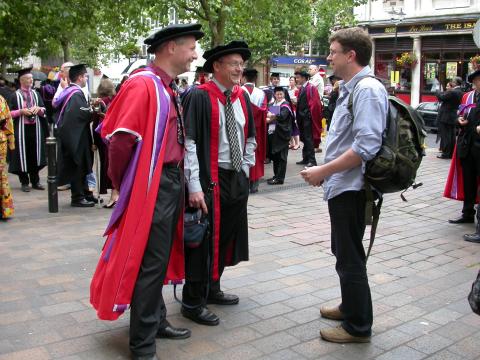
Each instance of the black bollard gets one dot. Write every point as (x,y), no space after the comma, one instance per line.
(52,174)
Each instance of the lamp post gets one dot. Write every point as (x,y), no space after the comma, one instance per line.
(397,17)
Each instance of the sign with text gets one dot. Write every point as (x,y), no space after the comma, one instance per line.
(421,28)
(297,60)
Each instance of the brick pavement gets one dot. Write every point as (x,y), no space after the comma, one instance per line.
(420,273)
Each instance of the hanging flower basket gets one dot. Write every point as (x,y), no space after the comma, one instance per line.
(475,61)
(407,60)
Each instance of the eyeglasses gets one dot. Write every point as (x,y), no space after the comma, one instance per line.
(234,64)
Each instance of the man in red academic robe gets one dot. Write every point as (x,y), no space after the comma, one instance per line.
(309,118)
(259,108)
(220,149)
(144,248)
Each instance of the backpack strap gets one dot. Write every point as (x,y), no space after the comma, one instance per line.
(372,209)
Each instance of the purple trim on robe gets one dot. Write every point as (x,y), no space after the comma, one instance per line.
(126,189)
(65,100)
(120,307)
(110,246)
(129,176)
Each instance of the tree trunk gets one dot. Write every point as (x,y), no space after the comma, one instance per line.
(66,50)
(4,66)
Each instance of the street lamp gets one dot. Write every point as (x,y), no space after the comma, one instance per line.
(397,17)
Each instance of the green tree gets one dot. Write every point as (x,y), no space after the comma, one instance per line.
(331,14)
(16,40)
(264,24)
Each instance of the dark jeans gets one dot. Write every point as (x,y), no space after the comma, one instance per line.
(347,218)
(148,308)
(233,231)
(471,169)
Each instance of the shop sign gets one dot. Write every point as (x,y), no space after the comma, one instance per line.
(421,28)
(292,60)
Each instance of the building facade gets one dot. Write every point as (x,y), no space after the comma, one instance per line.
(436,35)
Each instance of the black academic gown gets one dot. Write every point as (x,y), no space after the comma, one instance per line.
(29,153)
(74,146)
(283,130)
(197,112)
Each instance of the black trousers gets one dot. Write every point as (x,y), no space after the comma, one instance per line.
(280,164)
(347,218)
(447,138)
(31,156)
(79,186)
(471,169)
(306,136)
(148,310)
(233,230)
(269,154)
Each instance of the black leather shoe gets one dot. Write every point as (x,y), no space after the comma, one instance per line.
(145,357)
(474,238)
(25,188)
(462,220)
(310,165)
(91,198)
(170,332)
(220,298)
(300,162)
(82,203)
(443,156)
(201,315)
(38,186)
(275,182)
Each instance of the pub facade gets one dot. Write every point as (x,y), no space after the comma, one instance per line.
(434,37)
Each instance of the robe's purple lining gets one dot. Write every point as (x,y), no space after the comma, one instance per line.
(64,100)
(128,178)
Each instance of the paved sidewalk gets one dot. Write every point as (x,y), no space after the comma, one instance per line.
(420,274)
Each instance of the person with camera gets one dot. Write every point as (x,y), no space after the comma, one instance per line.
(31,129)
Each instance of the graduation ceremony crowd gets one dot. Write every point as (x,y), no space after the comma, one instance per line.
(167,149)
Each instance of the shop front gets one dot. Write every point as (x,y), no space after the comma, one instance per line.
(437,52)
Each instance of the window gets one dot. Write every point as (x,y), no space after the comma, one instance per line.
(449,4)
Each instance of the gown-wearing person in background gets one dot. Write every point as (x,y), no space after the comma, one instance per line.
(7,142)
(259,108)
(281,122)
(31,129)
(105,95)
(292,93)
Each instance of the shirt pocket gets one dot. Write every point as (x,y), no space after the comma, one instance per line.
(342,121)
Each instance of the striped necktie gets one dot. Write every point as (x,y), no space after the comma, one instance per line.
(232,133)
(178,108)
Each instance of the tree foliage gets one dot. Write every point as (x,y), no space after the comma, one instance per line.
(333,14)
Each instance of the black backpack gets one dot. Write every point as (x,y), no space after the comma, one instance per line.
(395,166)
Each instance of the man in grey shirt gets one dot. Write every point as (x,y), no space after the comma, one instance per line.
(220,149)
(350,143)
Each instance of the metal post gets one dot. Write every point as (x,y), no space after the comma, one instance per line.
(395,58)
(52,174)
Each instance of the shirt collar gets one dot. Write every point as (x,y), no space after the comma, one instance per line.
(25,89)
(166,79)
(349,86)
(220,86)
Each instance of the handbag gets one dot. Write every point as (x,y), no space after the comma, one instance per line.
(474,296)
(195,227)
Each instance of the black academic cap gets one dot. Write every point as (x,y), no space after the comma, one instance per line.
(172,32)
(275,74)
(473,75)
(24,72)
(200,70)
(233,47)
(250,72)
(76,70)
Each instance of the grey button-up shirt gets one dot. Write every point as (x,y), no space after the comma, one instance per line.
(363,135)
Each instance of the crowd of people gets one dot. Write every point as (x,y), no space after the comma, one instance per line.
(165,148)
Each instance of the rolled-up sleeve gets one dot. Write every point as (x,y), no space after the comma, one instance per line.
(369,120)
